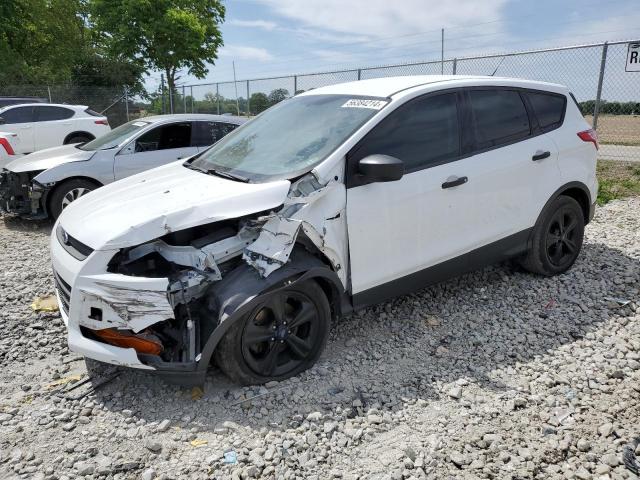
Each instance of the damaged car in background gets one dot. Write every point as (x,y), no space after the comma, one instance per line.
(333,200)
(42,184)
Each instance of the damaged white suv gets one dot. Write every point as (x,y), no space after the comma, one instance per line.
(336,199)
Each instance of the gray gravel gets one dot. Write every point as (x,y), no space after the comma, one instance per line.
(498,374)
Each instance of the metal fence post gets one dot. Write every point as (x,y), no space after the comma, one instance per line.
(192,100)
(126,101)
(218,96)
(248,102)
(359,73)
(184,99)
(455,65)
(603,63)
(170,98)
(295,84)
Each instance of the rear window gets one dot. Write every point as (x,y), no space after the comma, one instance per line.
(500,117)
(208,133)
(548,108)
(50,113)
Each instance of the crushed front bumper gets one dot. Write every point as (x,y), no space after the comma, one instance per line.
(135,303)
(18,197)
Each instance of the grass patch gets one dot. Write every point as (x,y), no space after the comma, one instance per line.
(617,180)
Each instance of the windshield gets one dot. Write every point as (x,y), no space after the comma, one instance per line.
(115,137)
(290,138)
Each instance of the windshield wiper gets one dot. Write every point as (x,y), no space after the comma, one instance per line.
(228,175)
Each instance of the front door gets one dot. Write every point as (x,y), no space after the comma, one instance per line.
(158,146)
(401,227)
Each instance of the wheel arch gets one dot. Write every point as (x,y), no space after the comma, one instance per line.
(235,295)
(576,190)
(49,193)
(89,135)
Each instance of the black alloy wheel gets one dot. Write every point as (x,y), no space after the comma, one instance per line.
(282,336)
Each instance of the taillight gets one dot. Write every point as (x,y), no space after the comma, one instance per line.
(589,136)
(7,146)
(102,122)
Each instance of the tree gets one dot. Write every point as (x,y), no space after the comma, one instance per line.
(278,95)
(258,102)
(164,35)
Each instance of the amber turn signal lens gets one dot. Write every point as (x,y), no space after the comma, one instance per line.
(127,340)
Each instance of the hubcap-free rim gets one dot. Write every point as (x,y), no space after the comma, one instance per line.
(281,334)
(562,237)
(73,195)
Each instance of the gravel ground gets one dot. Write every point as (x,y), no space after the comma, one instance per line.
(498,374)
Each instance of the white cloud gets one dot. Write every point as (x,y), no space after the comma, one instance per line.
(238,52)
(262,24)
(380,18)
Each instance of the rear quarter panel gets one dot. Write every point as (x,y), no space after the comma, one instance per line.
(576,158)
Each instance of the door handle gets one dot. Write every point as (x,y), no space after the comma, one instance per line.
(454,182)
(540,155)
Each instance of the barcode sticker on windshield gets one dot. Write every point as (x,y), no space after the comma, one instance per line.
(139,124)
(364,103)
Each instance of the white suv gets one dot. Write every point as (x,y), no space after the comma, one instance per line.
(45,125)
(336,199)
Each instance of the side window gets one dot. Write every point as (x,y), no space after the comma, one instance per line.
(499,116)
(50,114)
(175,135)
(422,133)
(548,109)
(206,134)
(225,128)
(18,115)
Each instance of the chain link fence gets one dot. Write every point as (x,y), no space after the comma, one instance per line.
(608,96)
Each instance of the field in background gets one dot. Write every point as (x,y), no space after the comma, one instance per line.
(617,180)
(618,129)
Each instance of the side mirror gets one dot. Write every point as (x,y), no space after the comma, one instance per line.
(381,168)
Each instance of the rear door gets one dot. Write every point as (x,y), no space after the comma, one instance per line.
(515,163)
(20,120)
(52,126)
(160,145)
(206,133)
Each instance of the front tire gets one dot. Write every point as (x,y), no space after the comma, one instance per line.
(557,238)
(66,193)
(284,335)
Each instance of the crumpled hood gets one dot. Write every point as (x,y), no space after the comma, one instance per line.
(49,158)
(146,206)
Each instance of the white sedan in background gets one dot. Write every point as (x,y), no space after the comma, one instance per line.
(46,125)
(42,184)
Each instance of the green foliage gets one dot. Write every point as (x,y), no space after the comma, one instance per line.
(258,102)
(278,95)
(610,108)
(165,35)
(617,180)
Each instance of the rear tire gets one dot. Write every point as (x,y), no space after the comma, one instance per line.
(66,193)
(557,238)
(284,335)
(78,138)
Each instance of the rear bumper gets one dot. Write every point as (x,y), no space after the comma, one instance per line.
(592,211)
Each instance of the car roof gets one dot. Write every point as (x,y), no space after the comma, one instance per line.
(41,104)
(388,86)
(185,117)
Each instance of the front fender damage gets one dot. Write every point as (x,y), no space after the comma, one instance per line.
(313,216)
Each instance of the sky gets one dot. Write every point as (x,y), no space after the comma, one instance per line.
(267,38)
